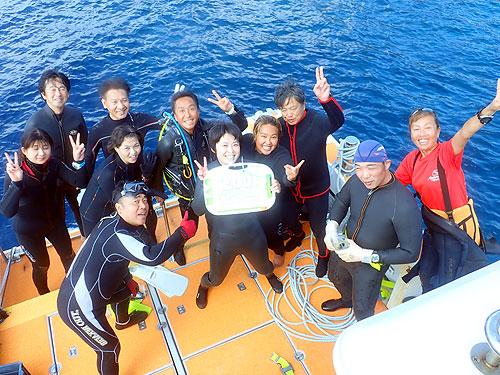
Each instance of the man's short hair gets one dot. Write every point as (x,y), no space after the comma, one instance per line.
(52,74)
(116,83)
(217,131)
(286,90)
(182,94)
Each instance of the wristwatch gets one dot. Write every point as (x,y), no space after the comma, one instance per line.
(484,119)
(374,258)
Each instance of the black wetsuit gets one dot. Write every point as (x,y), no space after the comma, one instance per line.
(96,279)
(37,207)
(97,202)
(231,235)
(307,141)
(60,127)
(270,219)
(101,132)
(380,219)
(198,147)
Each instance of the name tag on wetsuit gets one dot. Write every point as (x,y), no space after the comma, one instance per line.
(238,188)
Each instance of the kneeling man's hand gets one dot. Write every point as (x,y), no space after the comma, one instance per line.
(353,253)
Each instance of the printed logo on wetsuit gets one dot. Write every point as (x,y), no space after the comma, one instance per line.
(75,316)
(434,177)
(73,132)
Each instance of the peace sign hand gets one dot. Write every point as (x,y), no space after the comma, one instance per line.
(13,168)
(223,103)
(202,169)
(292,172)
(78,148)
(322,87)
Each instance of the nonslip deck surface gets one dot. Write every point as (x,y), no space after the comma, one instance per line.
(234,334)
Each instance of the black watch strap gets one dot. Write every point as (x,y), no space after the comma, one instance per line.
(483,119)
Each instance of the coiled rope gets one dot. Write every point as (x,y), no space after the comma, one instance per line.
(302,282)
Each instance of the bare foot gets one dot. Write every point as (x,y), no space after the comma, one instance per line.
(278,261)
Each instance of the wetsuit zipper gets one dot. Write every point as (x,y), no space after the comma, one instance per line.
(368,197)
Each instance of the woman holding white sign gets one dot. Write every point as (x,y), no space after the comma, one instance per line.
(232,234)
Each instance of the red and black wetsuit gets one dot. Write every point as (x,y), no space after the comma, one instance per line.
(307,141)
(37,208)
(60,127)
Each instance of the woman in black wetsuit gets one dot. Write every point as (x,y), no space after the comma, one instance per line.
(262,147)
(32,199)
(125,147)
(230,235)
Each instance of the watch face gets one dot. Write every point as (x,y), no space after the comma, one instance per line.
(375,258)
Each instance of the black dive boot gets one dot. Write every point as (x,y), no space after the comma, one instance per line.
(276,284)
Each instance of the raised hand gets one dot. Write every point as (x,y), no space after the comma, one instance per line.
(78,148)
(223,103)
(292,172)
(178,87)
(322,87)
(13,168)
(202,169)
(495,104)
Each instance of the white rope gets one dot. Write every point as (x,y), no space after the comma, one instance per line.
(302,280)
(343,166)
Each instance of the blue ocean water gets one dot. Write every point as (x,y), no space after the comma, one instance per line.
(383,58)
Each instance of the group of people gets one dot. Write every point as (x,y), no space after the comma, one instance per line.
(115,215)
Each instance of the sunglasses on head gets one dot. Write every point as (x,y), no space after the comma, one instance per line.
(132,189)
(423,109)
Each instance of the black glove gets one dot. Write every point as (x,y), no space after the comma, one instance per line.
(148,166)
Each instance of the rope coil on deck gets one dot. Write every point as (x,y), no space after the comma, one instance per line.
(301,280)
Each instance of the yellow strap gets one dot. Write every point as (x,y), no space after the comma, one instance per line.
(377,266)
(285,367)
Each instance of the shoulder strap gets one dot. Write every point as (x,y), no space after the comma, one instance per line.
(416,195)
(446,193)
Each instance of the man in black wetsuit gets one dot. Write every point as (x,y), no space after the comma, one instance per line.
(383,214)
(96,276)
(114,95)
(186,140)
(304,134)
(60,121)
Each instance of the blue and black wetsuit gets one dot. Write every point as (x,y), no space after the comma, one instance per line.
(60,127)
(380,219)
(95,279)
(37,207)
(101,132)
(231,235)
(270,219)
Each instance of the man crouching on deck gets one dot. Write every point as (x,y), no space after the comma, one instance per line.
(96,276)
(383,215)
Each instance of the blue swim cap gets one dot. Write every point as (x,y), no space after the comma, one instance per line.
(370,151)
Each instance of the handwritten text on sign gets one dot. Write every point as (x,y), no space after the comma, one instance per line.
(238,188)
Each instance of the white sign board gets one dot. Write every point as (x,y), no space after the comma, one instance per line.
(238,188)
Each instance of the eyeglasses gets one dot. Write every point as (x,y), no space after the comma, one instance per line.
(423,109)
